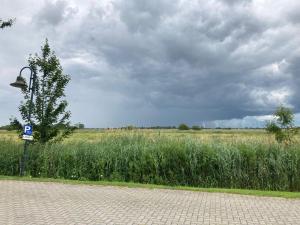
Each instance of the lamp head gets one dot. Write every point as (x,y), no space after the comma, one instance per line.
(20,83)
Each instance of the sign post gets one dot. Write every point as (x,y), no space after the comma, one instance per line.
(27,134)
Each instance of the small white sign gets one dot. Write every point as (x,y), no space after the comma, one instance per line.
(27,137)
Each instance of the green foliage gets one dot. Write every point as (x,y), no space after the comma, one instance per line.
(6,23)
(50,119)
(5,127)
(196,127)
(282,127)
(161,160)
(15,124)
(183,127)
(285,117)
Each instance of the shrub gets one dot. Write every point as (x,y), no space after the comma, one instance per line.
(282,126)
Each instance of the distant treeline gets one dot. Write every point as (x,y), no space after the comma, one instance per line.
(8,127)
(151,127)
(131,127)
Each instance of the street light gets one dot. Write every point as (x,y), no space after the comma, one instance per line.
(20,83)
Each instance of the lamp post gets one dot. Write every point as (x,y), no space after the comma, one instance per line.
(20,83)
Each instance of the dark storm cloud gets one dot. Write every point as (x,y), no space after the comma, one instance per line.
(294,70)
(216,59)
(166,62)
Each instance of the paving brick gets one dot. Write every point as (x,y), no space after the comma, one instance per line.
(53,203)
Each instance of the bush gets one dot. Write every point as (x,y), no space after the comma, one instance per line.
(161,160)
(183,127)
(283,125)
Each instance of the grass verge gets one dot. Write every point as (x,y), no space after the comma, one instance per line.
(260,193)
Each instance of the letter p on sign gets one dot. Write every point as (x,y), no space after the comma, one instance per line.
(28,130)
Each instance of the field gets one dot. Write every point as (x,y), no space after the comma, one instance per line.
(205,135)
(208,158)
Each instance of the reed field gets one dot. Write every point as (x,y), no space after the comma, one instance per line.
(208,158)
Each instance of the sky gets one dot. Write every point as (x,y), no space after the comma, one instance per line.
(160,62)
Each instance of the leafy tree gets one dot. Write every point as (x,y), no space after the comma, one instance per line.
(50,119)
(6,23)
(183,127)
(14,124)
(283,125)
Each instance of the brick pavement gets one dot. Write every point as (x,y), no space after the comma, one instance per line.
(28,203)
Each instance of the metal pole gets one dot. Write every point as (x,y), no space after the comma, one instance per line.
(31,88)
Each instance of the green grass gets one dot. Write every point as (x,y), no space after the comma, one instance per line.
(282,194)
(163,160)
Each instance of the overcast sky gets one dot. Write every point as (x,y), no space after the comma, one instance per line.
(160,62)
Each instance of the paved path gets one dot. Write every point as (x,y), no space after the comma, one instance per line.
(52,203)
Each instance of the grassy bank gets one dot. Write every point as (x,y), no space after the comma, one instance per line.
(161,160)
(260,193)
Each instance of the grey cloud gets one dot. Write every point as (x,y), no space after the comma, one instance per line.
(166,62)
(293,15)
(236,1)
(191,63)
(54,12)
(140,16)
(294,69)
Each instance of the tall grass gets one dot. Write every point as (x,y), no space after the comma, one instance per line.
(162,160)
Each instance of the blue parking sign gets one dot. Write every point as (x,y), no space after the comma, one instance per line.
(28,130)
